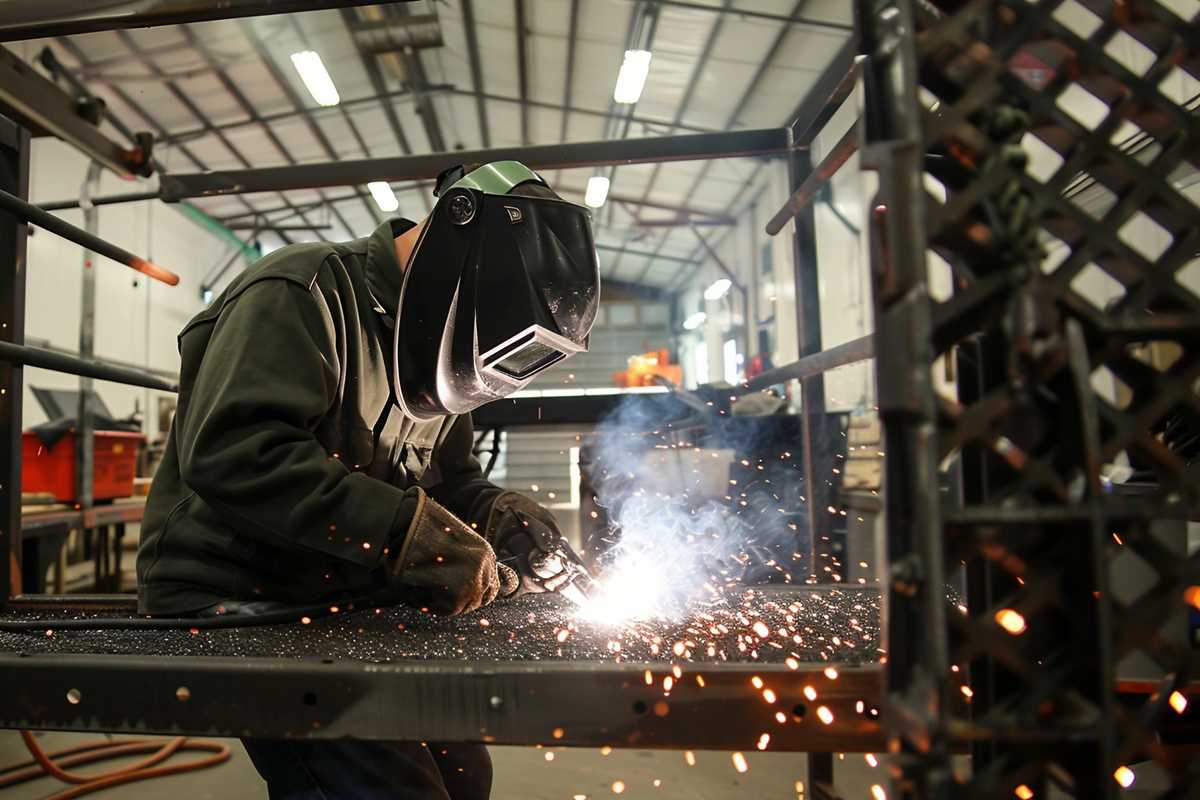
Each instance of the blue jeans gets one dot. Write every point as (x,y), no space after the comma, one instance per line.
(361,770)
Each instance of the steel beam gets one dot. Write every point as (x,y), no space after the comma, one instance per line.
(581,704)
(766,15)
(569,80)
(827,95)
(688,147)
(36,19)
(522,67)
(131,197)
(46,109)
(14,177)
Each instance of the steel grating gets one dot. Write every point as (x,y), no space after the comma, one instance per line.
(960,97)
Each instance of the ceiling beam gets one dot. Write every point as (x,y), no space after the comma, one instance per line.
(569,81)
(27,20)
(247,108)
(285,88)
(765,15)
(418,82)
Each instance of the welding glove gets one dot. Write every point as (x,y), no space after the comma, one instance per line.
(526,536)
(444,566)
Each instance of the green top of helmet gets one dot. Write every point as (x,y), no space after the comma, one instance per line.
(498,177)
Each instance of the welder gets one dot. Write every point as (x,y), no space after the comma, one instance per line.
(322,446)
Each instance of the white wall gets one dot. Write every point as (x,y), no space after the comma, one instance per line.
(137,319)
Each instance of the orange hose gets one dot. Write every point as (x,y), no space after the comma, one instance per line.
(43,763)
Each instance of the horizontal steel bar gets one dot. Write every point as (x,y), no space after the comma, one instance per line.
(569,704)
(250,226)
(46,220)
(806,192)
(45,359)
(851,352)
(685,147)
(45,344)
(130,197)
(35,19)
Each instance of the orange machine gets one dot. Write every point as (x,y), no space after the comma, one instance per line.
(644,368)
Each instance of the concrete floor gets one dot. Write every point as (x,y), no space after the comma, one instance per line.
(522,773)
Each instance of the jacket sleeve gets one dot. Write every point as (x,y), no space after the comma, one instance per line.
(247,445)
(463,489)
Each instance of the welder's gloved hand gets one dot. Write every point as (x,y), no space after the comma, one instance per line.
(444,566)
(526,537)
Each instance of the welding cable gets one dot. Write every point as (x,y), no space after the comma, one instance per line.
(45,763)
(283,615)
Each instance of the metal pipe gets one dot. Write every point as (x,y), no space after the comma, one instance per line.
(131,197)
(45,359)
(43,219)
(687,147)
(37,19)
(807,191)
(851,352)
(84,423)
(45,344)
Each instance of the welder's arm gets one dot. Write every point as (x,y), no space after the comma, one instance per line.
(463,488)
(246,438)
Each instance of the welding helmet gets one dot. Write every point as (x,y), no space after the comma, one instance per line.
(503,283)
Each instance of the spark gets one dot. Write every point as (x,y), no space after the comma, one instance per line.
(1023,792)
(831,673)
(756,682)
(618,787)
(810,693)
(762,630)
(1178,702)
(739,762)
(668,682)
(967,691)
(1124,776)
(605,750)
(763,741)
(649,678)
(871,760)
(825,715)
(780,717)
(657,782)
(689,757)
(878,793)
(1011,621)
(859,706)
(768,695)
(700,681)
(549,756)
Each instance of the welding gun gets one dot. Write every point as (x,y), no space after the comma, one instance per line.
(526,537)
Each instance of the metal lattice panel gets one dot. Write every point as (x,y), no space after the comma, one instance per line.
(1048,168)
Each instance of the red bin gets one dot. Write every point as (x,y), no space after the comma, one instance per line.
(52,469)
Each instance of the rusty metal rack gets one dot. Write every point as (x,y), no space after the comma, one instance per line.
(959,93)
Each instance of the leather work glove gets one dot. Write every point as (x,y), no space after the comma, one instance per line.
(444,566)
(526,536)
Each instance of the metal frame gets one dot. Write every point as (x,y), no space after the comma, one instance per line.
(1037,527)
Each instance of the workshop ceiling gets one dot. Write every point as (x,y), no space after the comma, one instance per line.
(225,95)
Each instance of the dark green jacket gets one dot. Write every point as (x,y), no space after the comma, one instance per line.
(289,468)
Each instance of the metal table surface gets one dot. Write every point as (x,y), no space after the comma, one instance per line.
(526,672)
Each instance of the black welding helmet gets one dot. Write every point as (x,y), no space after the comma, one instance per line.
(504,282)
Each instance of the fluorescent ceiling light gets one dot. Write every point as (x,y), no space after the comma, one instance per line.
(597,191)
(632,77)
(718,289)
(385,198)
(316,77)
(694,321)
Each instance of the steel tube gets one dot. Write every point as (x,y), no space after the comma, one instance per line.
(43,219)
(807,191)
(36,357)
(687,147)
(36,19)
(851,352)
(130,197)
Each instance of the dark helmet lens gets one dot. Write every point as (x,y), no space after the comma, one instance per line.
(526,360)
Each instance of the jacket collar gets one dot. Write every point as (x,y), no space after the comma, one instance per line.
(382,269)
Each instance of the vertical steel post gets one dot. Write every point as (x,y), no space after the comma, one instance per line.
(84,424)
(14,178)
(812,389)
